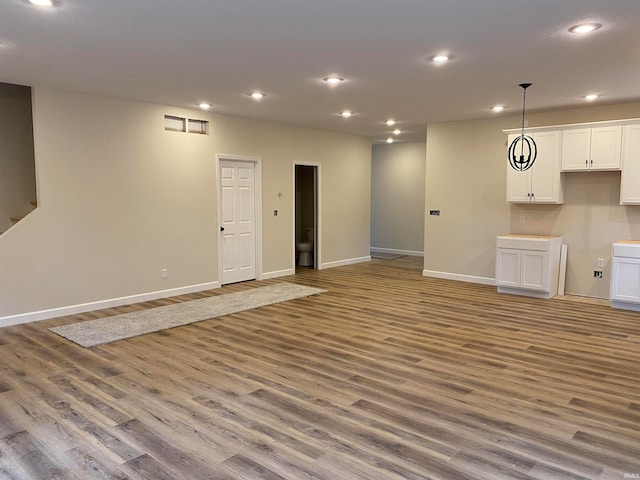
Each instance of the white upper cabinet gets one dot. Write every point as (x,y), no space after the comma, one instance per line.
(597,148)
(607,145)
(542,182)
(630,182)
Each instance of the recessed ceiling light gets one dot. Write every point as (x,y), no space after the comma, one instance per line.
(390,122)
(42,3)
(585,28)
(440,58)
(397,131)
(591,97)
(257,95)
(389,140)
(333,80)
(346,113)
(205,106)
(497,108)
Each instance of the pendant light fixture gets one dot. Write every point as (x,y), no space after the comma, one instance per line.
(528,150)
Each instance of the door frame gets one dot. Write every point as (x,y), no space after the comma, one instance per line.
(317,250)
(257,204)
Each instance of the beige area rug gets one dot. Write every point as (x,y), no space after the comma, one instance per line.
(127,325)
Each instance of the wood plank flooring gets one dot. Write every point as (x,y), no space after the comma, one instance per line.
(389,375)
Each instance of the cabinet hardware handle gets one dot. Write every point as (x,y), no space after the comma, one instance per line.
(586,163)
(592,162)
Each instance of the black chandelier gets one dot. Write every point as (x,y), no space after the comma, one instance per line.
(528,147)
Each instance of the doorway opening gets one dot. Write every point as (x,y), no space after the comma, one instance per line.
(306,232)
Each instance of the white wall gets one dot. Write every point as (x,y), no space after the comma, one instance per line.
(121,198)
(18,178)
(397,197)
(466,179)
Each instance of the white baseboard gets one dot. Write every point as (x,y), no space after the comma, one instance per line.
(524,293)
(412,253)
(625,305)
(278,273)
(341,263)
(113,302)
(459,277)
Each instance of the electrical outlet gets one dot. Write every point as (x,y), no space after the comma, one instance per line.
(521,218)
(597,274)
(435,213)
(601,262)
(275,213)
(165,273)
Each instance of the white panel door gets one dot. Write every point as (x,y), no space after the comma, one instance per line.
(237,221)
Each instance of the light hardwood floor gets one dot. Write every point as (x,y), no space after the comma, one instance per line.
(389,375)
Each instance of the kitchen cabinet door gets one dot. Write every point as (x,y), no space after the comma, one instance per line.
(630,180)
(591,148)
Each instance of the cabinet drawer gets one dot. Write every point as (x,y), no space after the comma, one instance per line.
(524,242)
(628,250)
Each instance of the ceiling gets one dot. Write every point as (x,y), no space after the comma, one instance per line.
(190,51)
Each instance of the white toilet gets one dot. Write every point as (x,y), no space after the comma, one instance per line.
(305,250)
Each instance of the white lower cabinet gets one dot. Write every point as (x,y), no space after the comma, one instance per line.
(625,275)
(528,265)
